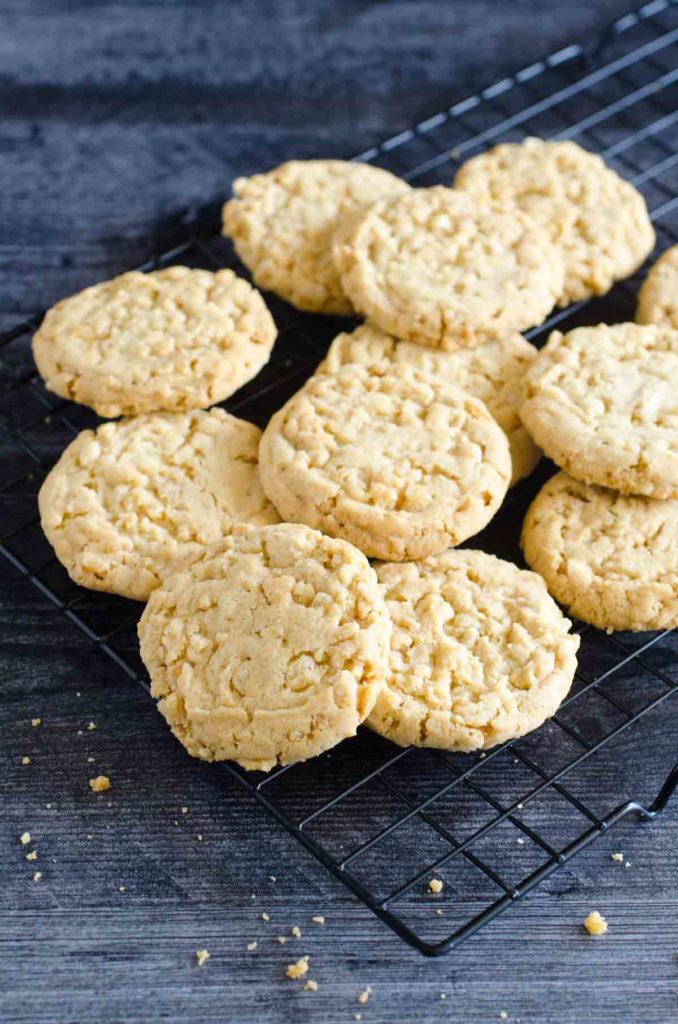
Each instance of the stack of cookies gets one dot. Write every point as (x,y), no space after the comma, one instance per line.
(268,635)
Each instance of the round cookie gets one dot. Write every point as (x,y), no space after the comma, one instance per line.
(435,267)
(611,560)
(127,501)
(170,340)
(658,296)
(270,648)
(597,220)
(394,461)
(480,653)
(601,402)
(492,372)
(282,224)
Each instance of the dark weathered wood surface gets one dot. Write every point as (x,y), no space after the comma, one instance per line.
(114,118)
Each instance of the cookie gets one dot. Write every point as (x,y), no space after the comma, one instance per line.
(270,648)
(435,267)
(480,653)
(171,340)
(492,372)
(282,224)
(602,403)
(597,220)
(387,457)
(658,297)
(125,502)
(610,560)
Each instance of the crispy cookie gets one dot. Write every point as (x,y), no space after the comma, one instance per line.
(171,340)
(658,297)
(435,267)
(282,225)
(397,462)
(602,403)
(611,560)
(126,501)
(598,221)
(492,372)
(269,648)
(480,653)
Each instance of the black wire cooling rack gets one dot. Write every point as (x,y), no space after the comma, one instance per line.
(385,820)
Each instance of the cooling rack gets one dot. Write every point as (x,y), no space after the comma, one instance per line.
(381,819)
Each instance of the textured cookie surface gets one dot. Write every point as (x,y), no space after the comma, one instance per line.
(124,502)
(387,457)
(435,267)
(171,340)
(479,654)
(282,225)
(271,647)
(492,372)
(602,402)
(598,221)
(611,559)
(658,297)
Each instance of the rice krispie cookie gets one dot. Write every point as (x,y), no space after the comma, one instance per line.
(434,266)
(170,340)
(602,402)
(480,653)
(269,648)
(598,221)
(611,560)
(658,297)
(126,501)
(282,224)
(492,372)
(397,462)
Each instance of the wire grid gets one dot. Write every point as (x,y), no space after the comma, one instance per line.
(385,820)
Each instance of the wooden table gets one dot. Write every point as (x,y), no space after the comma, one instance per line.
(115,118)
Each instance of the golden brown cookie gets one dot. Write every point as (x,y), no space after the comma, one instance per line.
(658,297)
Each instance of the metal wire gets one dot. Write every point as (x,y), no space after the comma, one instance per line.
(406,814)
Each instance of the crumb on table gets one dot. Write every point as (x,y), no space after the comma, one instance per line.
(435,886)
(618,857)
(251,946)
(595,923)
(318,919)
(311,985)
(201,956)
(36,721)
(298,969)
(365,995)
(100,783)
(25,838)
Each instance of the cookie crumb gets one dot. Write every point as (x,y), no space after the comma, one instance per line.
(24,838)
(251,946)
(443,995)
(281,939)
(100,783)
(36,722)
(89,837)
(297,969)
(311,985)
(365,995)
(121,888)
(519,807)
(201,956)
(520,842)
(91,726)
(357,1016)
(37,875)
(184,810)
(618,857)
(199,838)
(296,931)
(435,886)
(265,916)
(439,912)
(318,919)
(25,760)
(628,864)
(32,856)
(503,1015)
(595,923)
(90,760)
(273,878)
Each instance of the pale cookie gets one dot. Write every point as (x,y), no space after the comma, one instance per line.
(171,340)
(658,296)
(397,462)
(282,224)
(597,220)
(479,654)
(602,402)
(269,648)
(492,372)
(435,267)
(127,501)
(611,560)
